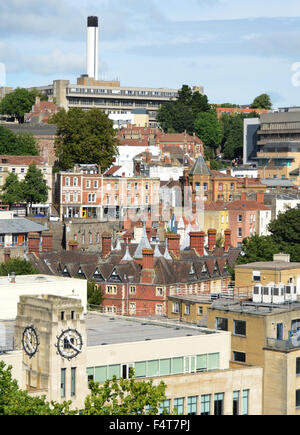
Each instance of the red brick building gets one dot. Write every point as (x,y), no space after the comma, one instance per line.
(136,279)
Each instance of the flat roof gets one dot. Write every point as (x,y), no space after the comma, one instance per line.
(35,279)
(104,330)
(269,265)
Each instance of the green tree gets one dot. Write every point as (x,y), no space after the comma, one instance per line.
(284,237)
(285,232)
(84,137)
(233,131)
(12,190)
(263,101)
(14,401)
(258,248)
(17,144)
(94,294)
(34,186)
(124,397)
(19,266)
(17,103)
(26,145)
(179,115)
(208,129)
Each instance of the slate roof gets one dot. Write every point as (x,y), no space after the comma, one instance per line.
(200,167)
(19,226)
(190,268)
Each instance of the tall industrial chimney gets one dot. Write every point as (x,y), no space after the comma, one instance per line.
(92,47)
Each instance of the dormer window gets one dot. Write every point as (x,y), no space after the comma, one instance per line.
(216,269)
(204,270)
(98,276)
(192,271)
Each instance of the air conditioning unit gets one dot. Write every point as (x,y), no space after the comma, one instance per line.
(267,293)
(278,294)
(257,294)
(290,293)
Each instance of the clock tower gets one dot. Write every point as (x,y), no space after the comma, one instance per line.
(52,334)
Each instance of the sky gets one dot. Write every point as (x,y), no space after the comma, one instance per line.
(235,49)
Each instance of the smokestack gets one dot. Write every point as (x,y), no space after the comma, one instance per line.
(92,47)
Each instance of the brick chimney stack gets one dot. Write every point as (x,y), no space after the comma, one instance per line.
(227,243)
(148,259)
(106,245)
(147,266)
(174,244)
(197,242)
(260,197)
(34,243)
(47,239)
(212,239)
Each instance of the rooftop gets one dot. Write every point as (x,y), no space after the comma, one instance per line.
(19,225)
(34,279)
(269,265)
(102,329)
(106,330)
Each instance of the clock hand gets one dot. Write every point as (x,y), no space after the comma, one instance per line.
(72,345)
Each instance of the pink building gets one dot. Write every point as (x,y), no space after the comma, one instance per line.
(247,218)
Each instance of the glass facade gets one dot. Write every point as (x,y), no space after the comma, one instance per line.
(162,367)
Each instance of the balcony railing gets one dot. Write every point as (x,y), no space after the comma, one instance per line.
(282,345)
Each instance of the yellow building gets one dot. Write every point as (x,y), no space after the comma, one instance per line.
(265,335)
(189,309)
(215,216)
(278,271)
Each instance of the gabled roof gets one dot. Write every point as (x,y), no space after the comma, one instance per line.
(188,269)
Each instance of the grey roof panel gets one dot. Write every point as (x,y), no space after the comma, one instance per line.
(19,225)
(200,167)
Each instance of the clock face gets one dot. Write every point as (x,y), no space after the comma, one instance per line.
(69,343)
(30,341)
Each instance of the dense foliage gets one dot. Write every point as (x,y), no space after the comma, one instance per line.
(14,401)
(284,237)
(32,190)
(17,144)
(180,115)
(19,102)
(19,266)
(123,397)
(84,138)
(94,294)
(263,101)
(191,112)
